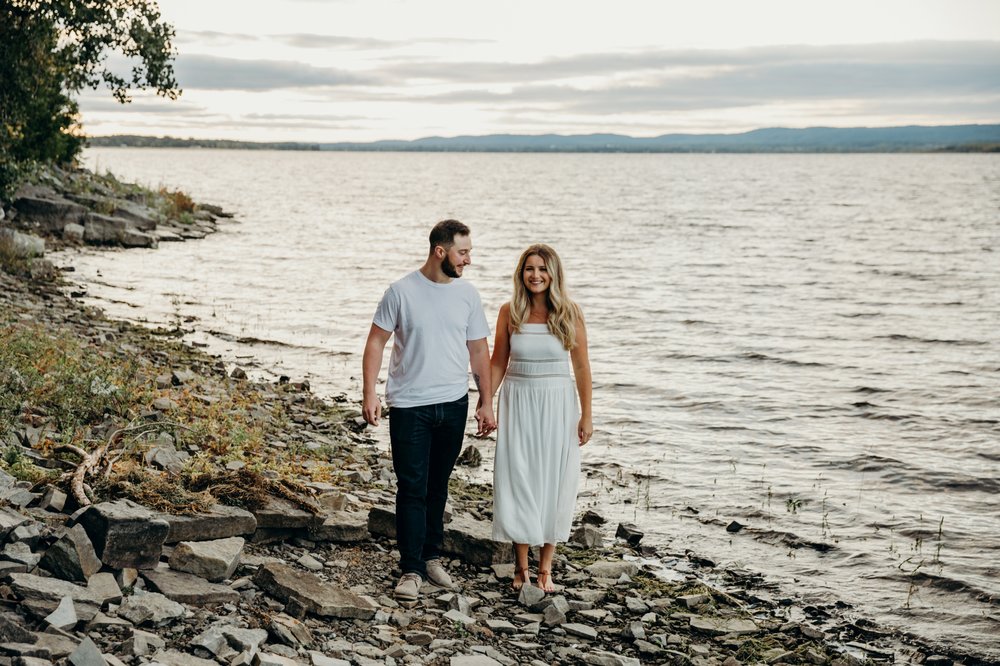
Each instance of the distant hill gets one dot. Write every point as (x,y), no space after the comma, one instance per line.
(915,138)
(138,141)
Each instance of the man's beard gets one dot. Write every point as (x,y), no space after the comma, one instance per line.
(449,269)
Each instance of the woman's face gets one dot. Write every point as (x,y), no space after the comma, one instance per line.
(536,277)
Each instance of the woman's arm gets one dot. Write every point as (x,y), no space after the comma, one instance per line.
(584,383)
(501,348)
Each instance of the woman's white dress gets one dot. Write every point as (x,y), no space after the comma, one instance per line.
(537,468)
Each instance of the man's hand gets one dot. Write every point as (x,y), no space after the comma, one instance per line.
(484,417)
(372,409)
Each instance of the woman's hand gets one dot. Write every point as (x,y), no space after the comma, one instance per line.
(585,430)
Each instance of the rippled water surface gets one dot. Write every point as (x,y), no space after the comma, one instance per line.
(807,344)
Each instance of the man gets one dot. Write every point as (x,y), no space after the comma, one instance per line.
(440,330)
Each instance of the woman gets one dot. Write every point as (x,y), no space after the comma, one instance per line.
(540,427)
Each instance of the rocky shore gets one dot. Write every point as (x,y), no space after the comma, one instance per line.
(157,507)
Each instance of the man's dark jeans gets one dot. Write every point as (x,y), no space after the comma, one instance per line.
(426,441)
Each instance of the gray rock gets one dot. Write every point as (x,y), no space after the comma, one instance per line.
(609,569)
(23,245)
(105,588)
(693,600)
(718,626)
(141,217)
(319,659)
(175,658)
(553,616)
(64,616)
(219,522)
(50,214)
(382,521)
(103,229)
(581,630)
(472,541)
(320,598)
(53,499)
(473,660)
(87,654)
(530,595)
(268,659)
(343,527)
(500,627)
(73,233)
(18,551)
(604,658)
(168,458)
(72,557)
(10,520)
(458,617)
(280,513)
(212,560)
(189,589)
(164,404)
(134,238)
(150,608)
(289,631)
(46,594)
(125,534)
(628,531)
(12,630)
(587,536)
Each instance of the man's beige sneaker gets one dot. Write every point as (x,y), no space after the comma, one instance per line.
(408,588)
(438,575)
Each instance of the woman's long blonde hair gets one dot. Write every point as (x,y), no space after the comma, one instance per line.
(563,312)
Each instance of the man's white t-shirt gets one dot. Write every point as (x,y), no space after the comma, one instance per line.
(431,323)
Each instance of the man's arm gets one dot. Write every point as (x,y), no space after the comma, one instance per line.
(371,363)
(479,360)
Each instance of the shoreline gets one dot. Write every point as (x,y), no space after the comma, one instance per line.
(693,620)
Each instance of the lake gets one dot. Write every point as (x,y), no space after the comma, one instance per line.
(806,344)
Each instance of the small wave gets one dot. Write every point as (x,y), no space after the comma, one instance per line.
(247,340)
(757,356)
(856,315)
(948,584)
(870,389)
(902,337)
(776,537)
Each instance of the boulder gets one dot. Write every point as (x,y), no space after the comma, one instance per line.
(102,229)
(382,521)
(45,594)
(280,513)
(141,217)
(471,540)
(73,233)
(125,534)
(628,531)
(212,560)
(135,238)
(612,569)
(314,595)
(719,626)
(587,536)
(219,522)
(50,214)
(72,557)
(23,245)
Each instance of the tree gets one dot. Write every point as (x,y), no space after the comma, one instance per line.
(50,50)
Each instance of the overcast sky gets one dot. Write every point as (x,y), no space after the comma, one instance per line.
(361,70)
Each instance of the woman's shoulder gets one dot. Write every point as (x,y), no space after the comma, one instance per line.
(505,309)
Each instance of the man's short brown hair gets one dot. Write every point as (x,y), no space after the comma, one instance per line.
(444,233)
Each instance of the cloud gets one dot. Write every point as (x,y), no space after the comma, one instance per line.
(698,80)
(217,73)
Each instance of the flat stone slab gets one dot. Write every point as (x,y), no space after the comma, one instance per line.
(612,569)
(214,561)
(343,527)
(49,592)
(175,658)
(280,513)
(581,630)
(189,589)
(718,626)
(150,608)
(219,522)
(316,596)
(125,534)
(472,540)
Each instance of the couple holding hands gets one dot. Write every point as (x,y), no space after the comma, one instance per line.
(440,330)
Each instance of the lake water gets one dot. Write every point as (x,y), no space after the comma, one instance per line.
(806,344)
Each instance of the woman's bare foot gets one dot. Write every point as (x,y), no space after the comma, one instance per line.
(521,577)
(544,581)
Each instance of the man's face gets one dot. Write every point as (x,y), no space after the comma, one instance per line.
(457,257)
